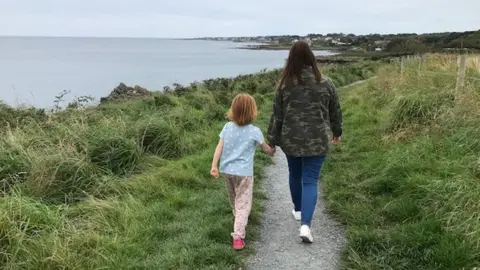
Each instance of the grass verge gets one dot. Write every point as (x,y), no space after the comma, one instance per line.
(405,179)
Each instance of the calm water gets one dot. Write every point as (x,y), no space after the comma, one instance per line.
(34,70)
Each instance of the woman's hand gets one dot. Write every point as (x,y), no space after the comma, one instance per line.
(214,172)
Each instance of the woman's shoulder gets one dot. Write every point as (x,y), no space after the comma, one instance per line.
(327,83)
(326,80)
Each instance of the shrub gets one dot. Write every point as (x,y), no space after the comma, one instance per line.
(259,99)
(57,179)
(164,100)
(161,139)
(250,87)
(200,100)
(14,117)
(187,118)
(222,98)
(265,87)
(117,154)
(62,179)
(419,109)
(14,166)
(215,112)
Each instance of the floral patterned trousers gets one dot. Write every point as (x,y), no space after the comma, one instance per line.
(240,193)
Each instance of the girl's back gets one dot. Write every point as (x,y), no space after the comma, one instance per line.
(239,148)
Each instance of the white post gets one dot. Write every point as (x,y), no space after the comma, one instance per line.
(420,62)
(462,67)
(402,66)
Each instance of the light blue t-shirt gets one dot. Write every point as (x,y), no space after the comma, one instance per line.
(239,143)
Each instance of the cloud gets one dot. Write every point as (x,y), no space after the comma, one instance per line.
(193,18)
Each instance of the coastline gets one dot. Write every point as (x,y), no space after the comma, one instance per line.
(283,47)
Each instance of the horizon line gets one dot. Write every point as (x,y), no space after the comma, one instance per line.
(232,36)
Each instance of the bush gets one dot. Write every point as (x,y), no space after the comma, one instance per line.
(200,100)
(14,166)
(222,98)
(161,139)
(259,99)
(215,112)
(187,118)
(419,109)
(14,117)
(62,179)
(117,154)
(164,100)
(265,87)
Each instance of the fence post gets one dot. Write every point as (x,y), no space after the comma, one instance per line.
(420,62)
(402,66)
(462,67)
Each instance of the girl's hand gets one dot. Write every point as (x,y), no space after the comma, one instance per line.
(214,172)
(336,140)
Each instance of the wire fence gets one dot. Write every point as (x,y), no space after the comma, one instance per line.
(421,60)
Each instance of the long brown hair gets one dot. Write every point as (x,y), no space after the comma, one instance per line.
(300,56)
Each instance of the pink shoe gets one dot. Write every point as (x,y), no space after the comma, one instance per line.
(238,243)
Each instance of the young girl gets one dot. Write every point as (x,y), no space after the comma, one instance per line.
(236,150)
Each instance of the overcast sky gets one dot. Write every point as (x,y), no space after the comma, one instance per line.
(194,18)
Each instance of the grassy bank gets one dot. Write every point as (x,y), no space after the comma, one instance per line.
(406,177)
(126,185)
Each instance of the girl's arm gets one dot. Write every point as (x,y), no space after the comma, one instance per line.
(216,157)
(268,149)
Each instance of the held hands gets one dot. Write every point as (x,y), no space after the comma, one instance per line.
(336,140)
(268,149)
(271,151)
(214,172)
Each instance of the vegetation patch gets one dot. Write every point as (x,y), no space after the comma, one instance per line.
(408,203)
(117,154)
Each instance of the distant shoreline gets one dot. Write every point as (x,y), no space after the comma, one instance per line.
(282,47)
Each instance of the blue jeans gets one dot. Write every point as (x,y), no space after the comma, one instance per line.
(304,174)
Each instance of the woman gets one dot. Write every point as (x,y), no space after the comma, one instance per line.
(305,103)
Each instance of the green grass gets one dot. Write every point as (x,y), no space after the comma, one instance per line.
(126,185)
(406,177)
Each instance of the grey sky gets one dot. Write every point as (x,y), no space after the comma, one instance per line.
(193,18)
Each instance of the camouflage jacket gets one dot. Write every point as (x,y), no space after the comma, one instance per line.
(302,115)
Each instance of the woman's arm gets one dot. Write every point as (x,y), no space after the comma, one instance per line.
(335,112)
(276,120)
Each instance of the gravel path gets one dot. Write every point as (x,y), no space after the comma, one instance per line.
(279,246)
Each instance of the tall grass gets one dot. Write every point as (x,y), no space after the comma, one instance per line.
(126,185)
(405,179)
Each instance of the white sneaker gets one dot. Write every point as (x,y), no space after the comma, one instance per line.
(297,215)
(306,234)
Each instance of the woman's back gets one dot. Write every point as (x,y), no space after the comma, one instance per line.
(304,105)
(306,110)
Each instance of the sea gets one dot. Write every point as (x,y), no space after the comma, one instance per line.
(33,70)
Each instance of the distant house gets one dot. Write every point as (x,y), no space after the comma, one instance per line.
(295,40)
